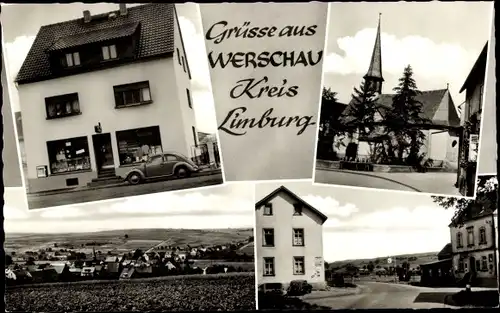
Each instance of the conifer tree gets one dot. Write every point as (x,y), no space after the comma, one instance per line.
(405,118)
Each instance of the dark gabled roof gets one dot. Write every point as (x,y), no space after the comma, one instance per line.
(294,196)
(475,210)
(430,99)
(156,36)
(478,70)
(445,252)
(94,36)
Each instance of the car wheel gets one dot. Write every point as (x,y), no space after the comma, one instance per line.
(134,178)
(182,172)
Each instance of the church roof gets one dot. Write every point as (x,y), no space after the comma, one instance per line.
(375,68)
(431,103)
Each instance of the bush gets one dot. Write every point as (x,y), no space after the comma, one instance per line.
(299,288)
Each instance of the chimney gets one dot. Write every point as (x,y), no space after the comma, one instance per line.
(123,9)
(86,16)
(447,85)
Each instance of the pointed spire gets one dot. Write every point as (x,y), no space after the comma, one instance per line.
(375,69)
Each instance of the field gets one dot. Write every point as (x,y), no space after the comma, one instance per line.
(125,240)
(414,260)
(185,293)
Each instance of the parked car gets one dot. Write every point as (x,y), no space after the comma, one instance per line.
(162,165)
(272,289)
(299,288)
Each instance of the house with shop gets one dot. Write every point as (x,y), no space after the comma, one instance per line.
(471,122)
(440,116)
(289,239)
(100,93)
(474,240)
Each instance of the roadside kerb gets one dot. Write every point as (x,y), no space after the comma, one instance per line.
(86,188)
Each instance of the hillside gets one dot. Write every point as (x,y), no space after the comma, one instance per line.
(125,240)
(414,260)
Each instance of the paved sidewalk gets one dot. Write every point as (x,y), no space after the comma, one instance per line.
(431,182)
(205,172)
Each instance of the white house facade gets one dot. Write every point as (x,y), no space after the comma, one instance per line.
(475,246)
(289,239)
(101,92)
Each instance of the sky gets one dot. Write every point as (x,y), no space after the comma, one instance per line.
(365,223)
(18,36)
(221,207)
(440,40)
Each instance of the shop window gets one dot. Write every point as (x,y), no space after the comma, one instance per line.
(62,106)
(137,145)
(132,94)
(68,155)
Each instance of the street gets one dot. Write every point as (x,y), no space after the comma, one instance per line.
(73,197)
(432,182)
(374,295)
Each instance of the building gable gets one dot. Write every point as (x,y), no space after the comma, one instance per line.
(284,193)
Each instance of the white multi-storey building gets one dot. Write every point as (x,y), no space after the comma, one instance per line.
(99,92)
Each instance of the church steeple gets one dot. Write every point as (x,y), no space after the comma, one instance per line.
(373,77)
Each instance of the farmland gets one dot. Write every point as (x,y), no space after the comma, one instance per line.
(414,260)
(199,292)
(124,240)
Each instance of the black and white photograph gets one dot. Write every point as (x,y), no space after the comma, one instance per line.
(110,100)
(330,247)
(10,155)
(402,98)
(487,164)
(180,251)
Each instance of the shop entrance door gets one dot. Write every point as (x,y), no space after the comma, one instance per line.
(103,152)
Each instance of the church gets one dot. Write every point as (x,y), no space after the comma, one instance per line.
(441,129)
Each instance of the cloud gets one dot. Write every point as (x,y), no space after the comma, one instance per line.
(15,53)
(196,53)
(434,64)
(193,203)
(63,212)
(403,218)
(15,204)
(204,110)
(330,206)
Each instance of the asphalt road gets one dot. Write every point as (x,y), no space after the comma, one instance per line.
(43,201)
(379,296)
(431,182)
